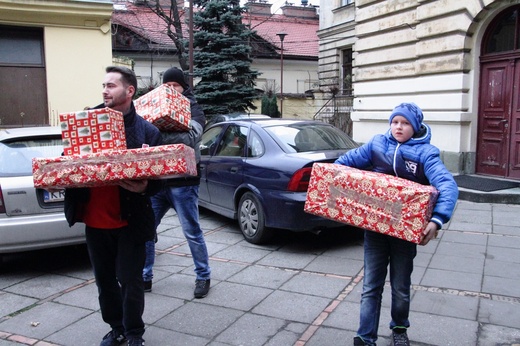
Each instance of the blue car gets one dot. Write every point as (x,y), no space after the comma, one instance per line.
(257,172)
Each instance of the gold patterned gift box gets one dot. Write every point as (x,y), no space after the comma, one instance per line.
(166,108)
(374,201)
(92,131)
(106,168)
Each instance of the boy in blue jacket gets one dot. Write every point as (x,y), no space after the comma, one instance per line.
(403,151)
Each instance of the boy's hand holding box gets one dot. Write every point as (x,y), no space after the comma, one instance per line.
(373,201)
(166,108)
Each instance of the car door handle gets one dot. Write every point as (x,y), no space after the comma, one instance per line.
(233,169)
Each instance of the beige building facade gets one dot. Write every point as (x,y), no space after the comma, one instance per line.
(456,59)
(69,43)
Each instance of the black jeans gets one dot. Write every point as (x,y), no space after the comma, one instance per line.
(118,260)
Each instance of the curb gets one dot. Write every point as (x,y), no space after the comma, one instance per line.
(487,197)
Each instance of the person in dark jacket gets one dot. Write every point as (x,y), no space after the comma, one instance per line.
(119,220)
(403,151)
(182,194)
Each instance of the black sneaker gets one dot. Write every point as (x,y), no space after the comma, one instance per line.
(147,286)
(113,338)
(400,339)
(358,341)
(201,288)
(135,342)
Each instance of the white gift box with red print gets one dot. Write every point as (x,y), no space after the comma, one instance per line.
(106,168)
(373,201)
(92,131)
(166,108)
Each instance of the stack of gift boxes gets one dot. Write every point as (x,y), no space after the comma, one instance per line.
(95,152)
(369,200)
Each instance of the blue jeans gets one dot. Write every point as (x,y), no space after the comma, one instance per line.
(184,199)
(381,250)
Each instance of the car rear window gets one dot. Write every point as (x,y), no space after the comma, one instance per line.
(16,156)
(298,138)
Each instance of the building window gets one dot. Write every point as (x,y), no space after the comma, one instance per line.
(21,46)
(504,33)
(346,71)
(346,2)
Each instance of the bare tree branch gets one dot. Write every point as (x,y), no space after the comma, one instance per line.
(174,28)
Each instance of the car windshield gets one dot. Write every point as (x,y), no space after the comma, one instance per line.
(16,156)
(298,138)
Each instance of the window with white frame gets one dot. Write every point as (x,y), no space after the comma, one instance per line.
(346,2)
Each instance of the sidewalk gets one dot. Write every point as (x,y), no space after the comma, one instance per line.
(300,290)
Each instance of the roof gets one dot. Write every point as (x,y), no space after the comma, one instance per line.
(301,41)
(145,23)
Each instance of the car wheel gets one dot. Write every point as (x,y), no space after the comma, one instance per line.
(251,219)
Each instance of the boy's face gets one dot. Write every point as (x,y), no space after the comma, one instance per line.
(401,129)
(176,86)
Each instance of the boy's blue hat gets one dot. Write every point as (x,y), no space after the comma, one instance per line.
(411,112)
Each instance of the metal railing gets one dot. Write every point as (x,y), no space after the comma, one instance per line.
(336,111)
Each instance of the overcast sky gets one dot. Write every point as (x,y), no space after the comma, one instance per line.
(279,3)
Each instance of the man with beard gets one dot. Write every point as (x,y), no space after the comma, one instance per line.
(119,220)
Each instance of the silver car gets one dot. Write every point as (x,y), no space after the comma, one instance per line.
(30,218)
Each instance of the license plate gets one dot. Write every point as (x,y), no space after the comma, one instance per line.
(55,196)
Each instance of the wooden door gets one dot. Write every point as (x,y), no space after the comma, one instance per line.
(514,127)
(23,97)
(493,147)
(23,82)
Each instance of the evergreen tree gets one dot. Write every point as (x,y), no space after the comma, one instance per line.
(221,58)
(270,106)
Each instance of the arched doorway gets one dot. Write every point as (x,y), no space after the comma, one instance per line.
(498,143)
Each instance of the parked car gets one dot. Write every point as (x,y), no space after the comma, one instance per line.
(257,172)
(234,116)
(30,218)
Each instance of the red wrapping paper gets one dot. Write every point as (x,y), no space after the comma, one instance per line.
(373,201)
(166,108)
(92,131)
(106,168)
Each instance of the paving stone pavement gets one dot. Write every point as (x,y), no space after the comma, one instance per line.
(301,289)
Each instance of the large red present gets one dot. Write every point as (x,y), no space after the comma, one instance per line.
(106,168)
(374,201)
(166,108)
(92,131)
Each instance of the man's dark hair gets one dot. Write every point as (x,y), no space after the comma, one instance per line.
(127,76)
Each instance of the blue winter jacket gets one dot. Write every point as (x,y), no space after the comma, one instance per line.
(415,159)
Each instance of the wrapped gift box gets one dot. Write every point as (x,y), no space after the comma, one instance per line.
(373,201)
(166,108)
(92,131)
(106,168)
